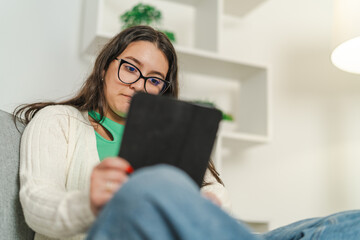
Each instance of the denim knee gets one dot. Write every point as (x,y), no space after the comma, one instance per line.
(156,180)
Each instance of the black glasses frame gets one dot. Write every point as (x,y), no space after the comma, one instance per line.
(122,61)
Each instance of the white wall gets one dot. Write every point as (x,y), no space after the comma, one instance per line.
(311,166)
(39,51)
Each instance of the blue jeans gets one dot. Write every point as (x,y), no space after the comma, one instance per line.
(163,203)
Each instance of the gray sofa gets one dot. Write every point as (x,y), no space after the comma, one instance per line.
(12,222)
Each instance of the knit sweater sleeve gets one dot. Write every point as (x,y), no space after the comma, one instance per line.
(48,207)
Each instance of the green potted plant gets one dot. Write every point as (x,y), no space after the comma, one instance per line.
(144,14)
(225,116)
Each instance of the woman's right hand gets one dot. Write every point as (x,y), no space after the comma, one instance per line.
(106,178)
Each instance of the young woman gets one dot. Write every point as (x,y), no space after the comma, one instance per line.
(72,183)
(69,169)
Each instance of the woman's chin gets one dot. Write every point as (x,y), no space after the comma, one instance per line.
(122,114)
(123,111)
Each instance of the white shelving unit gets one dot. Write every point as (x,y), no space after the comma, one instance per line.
(196,23)
(240,8)
(236,86)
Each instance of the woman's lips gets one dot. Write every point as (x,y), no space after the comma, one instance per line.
(128,97)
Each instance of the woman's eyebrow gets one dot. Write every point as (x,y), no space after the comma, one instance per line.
(135,60)
(140,64)
(157,73)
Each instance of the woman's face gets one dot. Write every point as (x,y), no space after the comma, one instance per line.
(149,60)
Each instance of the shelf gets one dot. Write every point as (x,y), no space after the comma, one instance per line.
(236,86)
(198,28)
(243,137)
(239,8)
(213,55)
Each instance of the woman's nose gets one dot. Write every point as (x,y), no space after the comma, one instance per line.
(139,85)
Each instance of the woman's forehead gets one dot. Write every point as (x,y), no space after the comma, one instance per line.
(146,55)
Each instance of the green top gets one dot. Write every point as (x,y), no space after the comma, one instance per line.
(107,148)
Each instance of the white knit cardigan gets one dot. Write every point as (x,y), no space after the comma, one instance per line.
(58,153)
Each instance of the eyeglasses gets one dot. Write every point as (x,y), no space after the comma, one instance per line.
(129,74)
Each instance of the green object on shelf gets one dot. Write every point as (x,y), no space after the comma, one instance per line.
(170,35)
(225,116)
(140,14)
(144,14)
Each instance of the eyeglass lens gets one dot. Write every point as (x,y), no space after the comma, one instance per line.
(129,74)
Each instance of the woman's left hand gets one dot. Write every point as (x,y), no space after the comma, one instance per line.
(212,197)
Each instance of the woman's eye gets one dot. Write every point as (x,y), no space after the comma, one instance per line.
(130,68)
(154,81)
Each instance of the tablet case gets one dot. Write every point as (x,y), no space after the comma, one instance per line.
(161,129)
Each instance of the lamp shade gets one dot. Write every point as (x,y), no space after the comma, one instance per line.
(346,35)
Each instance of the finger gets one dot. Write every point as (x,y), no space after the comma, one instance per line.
(117,163)
(115,175)
(103,193)
(100,179)
(110,187)
(100,199)
(113,186)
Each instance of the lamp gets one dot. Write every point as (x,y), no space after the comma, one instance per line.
(346,35)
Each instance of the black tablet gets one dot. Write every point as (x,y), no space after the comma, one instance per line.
(162,129)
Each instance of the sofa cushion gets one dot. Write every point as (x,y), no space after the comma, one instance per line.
(12,222)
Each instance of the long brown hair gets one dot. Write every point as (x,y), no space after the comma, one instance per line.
(91,95)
